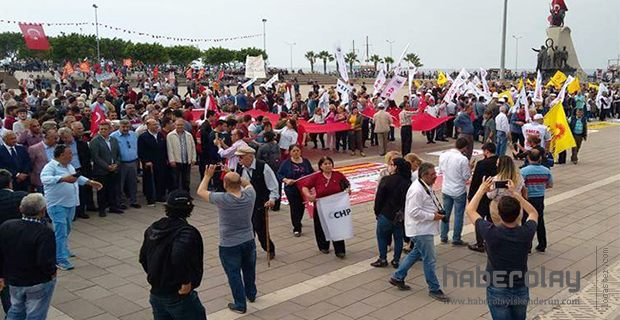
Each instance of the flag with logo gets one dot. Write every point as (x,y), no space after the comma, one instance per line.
(156,71)
(189,73)
(485,84)
(411,71)
(562,94)
(557,80)
(271,81)
(392,88)
(442,79)
(602,88)
(220,75)
(67,70)
(538,90)
(574,86)
(380,81)
(248,83)
(342,65)
(335,214)
(34,36)
(561,137)
(508,95)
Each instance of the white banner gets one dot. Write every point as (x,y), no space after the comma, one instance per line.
(485,84)
(538,92)
(246,84)
(392,88)
(601,89)
(380,81)
(342,65)
(458,82)
(342,87)
(335,214)
(271,81)
(104,76)
(411,71)
(254,67)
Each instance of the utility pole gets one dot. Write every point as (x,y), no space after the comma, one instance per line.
(97,33)
(390,42)
(502,64)
(517,52)
(291,44)
(367,51)
(264,36)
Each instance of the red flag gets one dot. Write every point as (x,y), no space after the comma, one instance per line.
(34,36)
(108,67)
(85,67)
(426,122)
(96,118)
(127,62)
(97,67)
(156,71)
(220,75)
(67,70)
(189,73)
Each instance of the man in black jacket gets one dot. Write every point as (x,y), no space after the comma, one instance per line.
(9,209)
(153,155)
(172,256)
(486,167)
(28,260)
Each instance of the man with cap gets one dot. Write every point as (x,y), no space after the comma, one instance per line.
(537,129)
(264,181)
(382,121)
(493,106)
(172,256)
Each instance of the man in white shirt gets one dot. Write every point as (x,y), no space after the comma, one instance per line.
(422,215)
(456,171)
(503,130)
(536,129)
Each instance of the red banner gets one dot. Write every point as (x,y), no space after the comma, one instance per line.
(34,36)
(274,118)
(426,122)
(321,128)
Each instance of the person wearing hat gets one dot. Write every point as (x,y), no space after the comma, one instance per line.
(264,181)
(537,129)
(493,105)
(172,257)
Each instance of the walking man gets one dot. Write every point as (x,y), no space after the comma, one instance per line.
(382,121)
(537,179)
(502,131)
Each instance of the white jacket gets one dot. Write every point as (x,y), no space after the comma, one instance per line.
(420,212)
(173,145)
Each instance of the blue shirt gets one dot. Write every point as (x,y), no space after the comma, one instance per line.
(537,179)
(75,159)
(127,145)
(578,127)
(59,193)
(49,151)
(463,122)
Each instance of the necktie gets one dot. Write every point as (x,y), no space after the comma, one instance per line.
(13,153)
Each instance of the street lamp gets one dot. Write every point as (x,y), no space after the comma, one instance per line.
(291,44)
(97,33)
(390,42)
(502,65)
(517,52)
(264,36)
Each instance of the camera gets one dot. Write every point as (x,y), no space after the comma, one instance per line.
(445,216)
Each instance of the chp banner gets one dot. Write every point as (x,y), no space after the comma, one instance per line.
(34,36)
(392,88)
(335,214)
(380,81)
(254,67)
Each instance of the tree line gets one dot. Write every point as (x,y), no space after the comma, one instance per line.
(76,46)
(351,57)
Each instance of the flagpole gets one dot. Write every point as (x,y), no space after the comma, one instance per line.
(97,33)
(502,67)
(517,52)
(291,44)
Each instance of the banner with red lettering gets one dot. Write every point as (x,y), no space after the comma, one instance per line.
(392,88)
(34,36)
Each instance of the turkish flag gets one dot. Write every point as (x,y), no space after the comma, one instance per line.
(220,75)
(189,73)
(127,62)
(96,118)
(34,36)
(85,67)
(156,71)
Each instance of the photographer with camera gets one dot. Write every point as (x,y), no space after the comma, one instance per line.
(422,214)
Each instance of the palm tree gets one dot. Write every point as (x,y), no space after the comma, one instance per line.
(325,56)
(311,56)
(375,59)
(388,61)
(414,59)
(351,58)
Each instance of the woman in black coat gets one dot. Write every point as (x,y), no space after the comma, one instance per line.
(290,170)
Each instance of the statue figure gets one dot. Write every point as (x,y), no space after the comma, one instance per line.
(556,58)
(544,57)
(558,11)
(542,53)
(563,58)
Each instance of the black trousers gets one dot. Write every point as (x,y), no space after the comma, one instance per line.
(365,130)
(296,206)
(485,212)
(450,132)
(260,228)
(154,183)
(320,236)
(391,134)
(341,140)
(109,195)
(430,135)
(320,137)
(405,139)
(541,233)
(180,176)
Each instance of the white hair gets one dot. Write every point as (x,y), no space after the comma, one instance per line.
(32,204)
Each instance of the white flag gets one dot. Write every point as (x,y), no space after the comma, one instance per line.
(411,71)
(342,66)
(562,94)
(454,88)
(271,81)
(538,97)
(288,99)
(335,214)
(324,102)
(246,84)
(400,60)
(601,89)
(392,88)
(380,81)
(254,67)
(485,84)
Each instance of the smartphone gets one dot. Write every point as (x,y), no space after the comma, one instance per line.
(76,175)
(501,184)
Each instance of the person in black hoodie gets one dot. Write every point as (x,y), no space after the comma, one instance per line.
(172,256)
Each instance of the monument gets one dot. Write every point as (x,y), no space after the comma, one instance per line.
(558,52)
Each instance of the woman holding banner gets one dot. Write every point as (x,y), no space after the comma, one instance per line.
(325,183)
(290,170)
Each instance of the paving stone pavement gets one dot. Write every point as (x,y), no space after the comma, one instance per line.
(582,222)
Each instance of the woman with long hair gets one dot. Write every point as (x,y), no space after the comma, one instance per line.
(506,170)
(288,137)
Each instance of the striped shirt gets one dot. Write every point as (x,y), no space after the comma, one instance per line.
(537,179)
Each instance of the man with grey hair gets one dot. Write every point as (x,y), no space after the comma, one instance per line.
(128,168)
(15,159)
(502,128)
(27,260)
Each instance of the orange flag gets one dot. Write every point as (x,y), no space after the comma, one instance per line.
(67,70)
(127,62)
(85,67)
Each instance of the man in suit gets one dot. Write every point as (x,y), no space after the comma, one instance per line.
(153,156)
(181,154)
(106,157)
(15,159)
(9,209)
(485,168)
(40,154)
(85,162)
(80,159)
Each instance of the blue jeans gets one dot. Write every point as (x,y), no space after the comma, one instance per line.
(62,217)
(385,230)
(508,303)
(31,302)
(501,142)
(176,307)
(424,248)
(238,260)
(458,203)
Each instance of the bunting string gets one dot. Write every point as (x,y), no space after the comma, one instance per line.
(144,34)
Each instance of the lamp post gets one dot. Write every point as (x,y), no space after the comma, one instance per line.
(390,42)
(264,36)
(291,44)
(517,52)
(97,33)
(502,65)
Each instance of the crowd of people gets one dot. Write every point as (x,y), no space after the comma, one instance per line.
(62,149)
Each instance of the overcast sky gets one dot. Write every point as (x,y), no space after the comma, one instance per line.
(445,34)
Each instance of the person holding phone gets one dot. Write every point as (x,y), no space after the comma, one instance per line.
(506,171)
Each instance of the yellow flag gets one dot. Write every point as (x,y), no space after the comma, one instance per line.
(520,85)
(531,83)
(561,137)
(574,86)
(442,79)
(506,94)
(557,80)
(417,83)
(592,85)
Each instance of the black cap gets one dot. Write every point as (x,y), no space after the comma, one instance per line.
(179,198)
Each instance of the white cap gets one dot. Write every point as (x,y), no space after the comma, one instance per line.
(538,116)
(502,99)
(495,95)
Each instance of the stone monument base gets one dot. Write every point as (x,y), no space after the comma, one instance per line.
(561,38)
